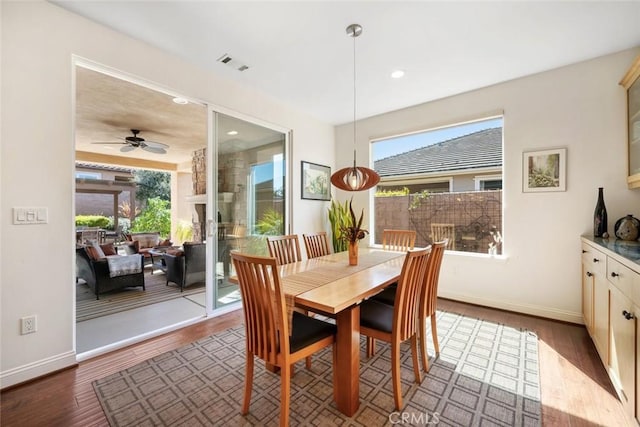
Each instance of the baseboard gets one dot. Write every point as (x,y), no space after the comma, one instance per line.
(36,369)
(546,312)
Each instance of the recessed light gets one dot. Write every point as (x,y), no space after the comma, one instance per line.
(232,132)
(397,74)
(180,101)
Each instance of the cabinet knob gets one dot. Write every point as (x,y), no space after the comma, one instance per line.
(596,260)
(589,274)
(627,315)
(614,274)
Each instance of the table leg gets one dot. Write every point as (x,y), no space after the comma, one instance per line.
(347,390)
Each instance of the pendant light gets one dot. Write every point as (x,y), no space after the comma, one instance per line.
(354,178)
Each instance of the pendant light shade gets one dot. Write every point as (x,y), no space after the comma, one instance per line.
(354,178)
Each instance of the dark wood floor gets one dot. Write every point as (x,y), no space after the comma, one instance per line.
(575,389)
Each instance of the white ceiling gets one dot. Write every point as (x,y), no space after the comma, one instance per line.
(298,51)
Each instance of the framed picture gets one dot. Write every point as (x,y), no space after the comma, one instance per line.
(316,181)
(544,170)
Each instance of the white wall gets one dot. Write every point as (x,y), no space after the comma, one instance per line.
(37,155)
(580,107)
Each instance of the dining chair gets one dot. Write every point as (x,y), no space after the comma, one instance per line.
(316,244)
(428,301)
(398,323)
(267,327)
(286,249)
(398,240)
(440,232)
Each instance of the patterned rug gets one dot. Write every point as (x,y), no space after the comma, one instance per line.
(88,307)
(486,375)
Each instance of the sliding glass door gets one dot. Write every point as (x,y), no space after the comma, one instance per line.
(251,198)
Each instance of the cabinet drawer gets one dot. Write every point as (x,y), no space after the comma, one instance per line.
(594,260)
(620,276)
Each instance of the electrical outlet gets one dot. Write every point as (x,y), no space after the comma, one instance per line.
(28,324)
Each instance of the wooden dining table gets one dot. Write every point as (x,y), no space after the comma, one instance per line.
(329,285)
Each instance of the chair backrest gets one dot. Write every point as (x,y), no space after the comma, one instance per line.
(90,234)
(316,244)
(398,240)
(428,299)
(286,249)
(407,294)
(266,325)
(439,232)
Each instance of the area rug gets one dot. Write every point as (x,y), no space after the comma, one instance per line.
(156,290)
(486,375)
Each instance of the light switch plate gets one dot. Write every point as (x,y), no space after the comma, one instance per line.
(30,215)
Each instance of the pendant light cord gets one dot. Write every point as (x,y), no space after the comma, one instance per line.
(354,97)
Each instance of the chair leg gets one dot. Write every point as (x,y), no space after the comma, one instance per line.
(307,362)
(414,356)
(395,373)
(248,384)
(434,334)
(422,329)
(371,347)
(285,394)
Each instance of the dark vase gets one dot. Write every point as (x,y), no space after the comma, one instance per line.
(600,216)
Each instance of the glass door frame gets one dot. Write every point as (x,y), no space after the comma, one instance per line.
(212,196)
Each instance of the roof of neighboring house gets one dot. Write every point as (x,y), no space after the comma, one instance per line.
(480,149)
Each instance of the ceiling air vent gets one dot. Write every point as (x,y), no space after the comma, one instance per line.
(228,60)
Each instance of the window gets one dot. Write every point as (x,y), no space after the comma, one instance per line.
(447,177)
(490,182)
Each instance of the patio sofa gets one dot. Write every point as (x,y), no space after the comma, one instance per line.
(147,241)
(99,274)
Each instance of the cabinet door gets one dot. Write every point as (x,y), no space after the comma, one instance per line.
(622,363)
(601,315)
(637,311)
(587,298)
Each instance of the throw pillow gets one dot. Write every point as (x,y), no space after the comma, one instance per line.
(175,252)
(95,251)
(166,242)
(109,249)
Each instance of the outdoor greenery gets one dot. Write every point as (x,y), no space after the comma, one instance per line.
(417,199)
(125,223)
(152,184)
(338,217)
(92,221)
(156,216)
(184,231)
(391,193)
(271,223)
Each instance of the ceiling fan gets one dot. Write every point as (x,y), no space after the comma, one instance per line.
(132,142)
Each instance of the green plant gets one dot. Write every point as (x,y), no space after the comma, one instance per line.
(353,231)
(271,223)
(156,216)
(92,221)
(418,198)
(392,193)
(338,217)
(184,231)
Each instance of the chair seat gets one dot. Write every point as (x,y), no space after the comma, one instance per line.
(387,296)
(376,315)
(306,330)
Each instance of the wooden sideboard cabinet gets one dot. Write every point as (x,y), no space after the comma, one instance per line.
(611,307)
(631,82)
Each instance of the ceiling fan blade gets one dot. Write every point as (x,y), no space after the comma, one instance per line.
(105,142)
(127,148)
(156,150)
(156,144)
